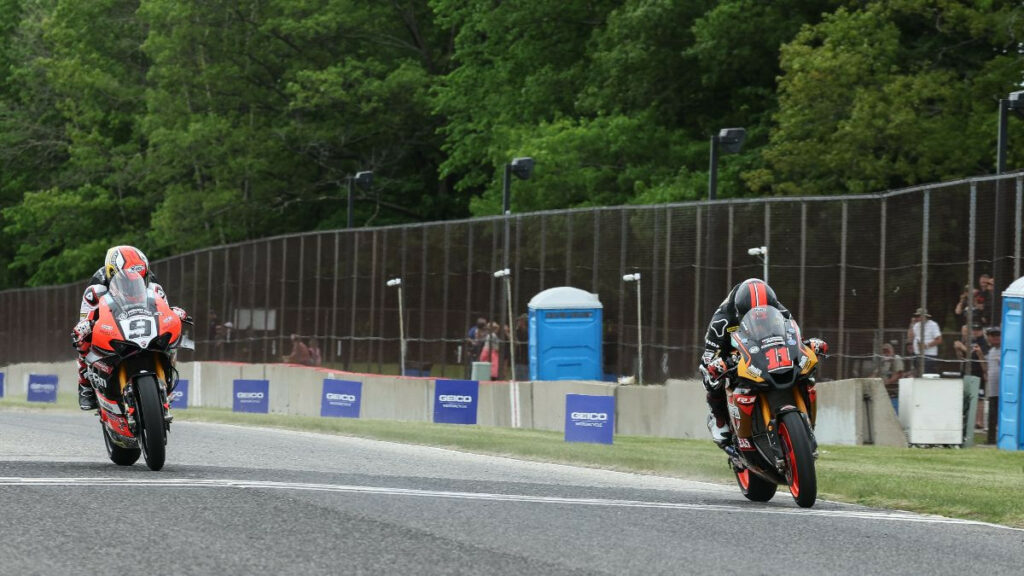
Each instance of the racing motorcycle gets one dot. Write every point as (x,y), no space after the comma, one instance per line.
(772,404)
(131,366)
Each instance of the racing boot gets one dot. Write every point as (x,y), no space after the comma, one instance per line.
(86,397)
(720,431)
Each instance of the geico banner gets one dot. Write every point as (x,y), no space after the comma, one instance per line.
(251,396)
(42,387)
(1,384)
(341,398)
(589,418)
(179,397)
(455,401)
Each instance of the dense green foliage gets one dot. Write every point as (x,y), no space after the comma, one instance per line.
(174,124)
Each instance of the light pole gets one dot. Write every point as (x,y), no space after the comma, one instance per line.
(364,179)
(397,283)
(522,168)
(730,140)
(513,389)
(635,277)
(761,252)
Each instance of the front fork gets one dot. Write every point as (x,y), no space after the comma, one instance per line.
(807,414)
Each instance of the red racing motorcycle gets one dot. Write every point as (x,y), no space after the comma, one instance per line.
(131,366)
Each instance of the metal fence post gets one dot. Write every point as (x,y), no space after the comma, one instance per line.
(841,369)
(696,279)
(1017,228)
(803,258)
(883,230)
(926,209)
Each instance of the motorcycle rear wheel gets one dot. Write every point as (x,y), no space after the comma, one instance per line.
(753,487)
(152,434)
(796,447)
(118,455)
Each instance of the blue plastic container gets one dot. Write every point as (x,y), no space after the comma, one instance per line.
(1011,380)
(565,335)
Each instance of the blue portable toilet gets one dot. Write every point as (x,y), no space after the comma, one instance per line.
(565,335)
(1011,382)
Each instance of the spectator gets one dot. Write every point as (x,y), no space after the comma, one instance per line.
(928,345)
(970,301)
(490,348)
(474,343)
(522,371)
(314,353)
(994,337)
(973,353)
(890,371)
(986,299)
(299,353)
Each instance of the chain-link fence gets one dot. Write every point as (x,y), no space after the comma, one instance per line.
(851,268)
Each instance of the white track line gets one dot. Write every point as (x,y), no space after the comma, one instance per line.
(341,488)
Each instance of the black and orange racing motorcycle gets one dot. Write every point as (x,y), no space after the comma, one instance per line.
(772,404)
(131,366)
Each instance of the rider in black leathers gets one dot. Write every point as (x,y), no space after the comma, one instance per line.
(717,362)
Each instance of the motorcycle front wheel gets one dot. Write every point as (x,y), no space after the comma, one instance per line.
(152,433)
(796,447)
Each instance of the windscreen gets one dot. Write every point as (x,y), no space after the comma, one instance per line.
(764,326)
(128,290)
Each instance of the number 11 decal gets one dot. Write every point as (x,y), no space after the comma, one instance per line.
(778,358)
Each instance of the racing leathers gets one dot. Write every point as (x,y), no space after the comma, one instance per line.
(718,363)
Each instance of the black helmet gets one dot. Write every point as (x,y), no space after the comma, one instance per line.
(752,293)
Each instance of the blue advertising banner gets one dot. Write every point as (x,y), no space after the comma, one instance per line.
(179,398)
(251,396)
(1,384)
(589,418)
(455,401)
(341,398)
(42,387)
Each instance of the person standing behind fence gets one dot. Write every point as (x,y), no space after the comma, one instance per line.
(929,344)
(890,371)
(314,353)
(994,336)
(300,353)
(987,299)
(490,348)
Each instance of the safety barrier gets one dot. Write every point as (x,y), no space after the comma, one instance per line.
(855,411)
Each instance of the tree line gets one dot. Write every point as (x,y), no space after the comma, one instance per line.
(175,124)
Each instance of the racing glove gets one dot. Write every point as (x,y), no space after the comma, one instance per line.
(80,336)
(181,314)
(719,368)
(819,346)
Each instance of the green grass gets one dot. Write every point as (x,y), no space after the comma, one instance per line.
(979,483)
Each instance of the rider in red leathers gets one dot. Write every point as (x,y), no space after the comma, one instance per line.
(717,362)
(119,259)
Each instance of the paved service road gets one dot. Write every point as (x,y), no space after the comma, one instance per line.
(236,500)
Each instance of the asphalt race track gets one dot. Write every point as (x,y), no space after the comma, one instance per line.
(235,500)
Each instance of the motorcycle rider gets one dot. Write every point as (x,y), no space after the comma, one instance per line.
(718,360)
(119,260)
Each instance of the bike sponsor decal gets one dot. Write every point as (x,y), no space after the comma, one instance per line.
(102,366)
(42,387)
(341,398)
(744,444)
(772,341)
(179,397)
(589,418)
(455,401)
(251,396)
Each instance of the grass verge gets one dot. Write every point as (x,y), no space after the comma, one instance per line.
(978,483)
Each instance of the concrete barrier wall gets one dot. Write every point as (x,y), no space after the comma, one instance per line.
(674,410)
(548,400)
